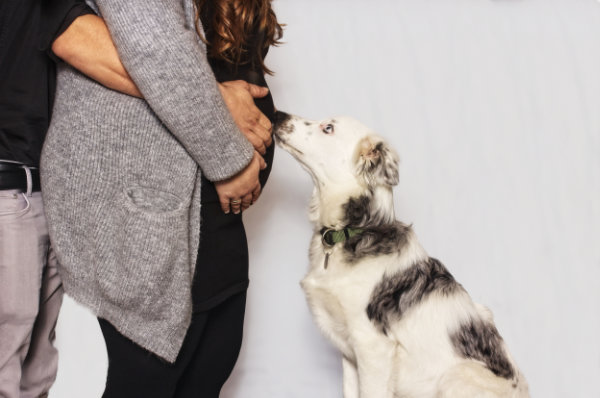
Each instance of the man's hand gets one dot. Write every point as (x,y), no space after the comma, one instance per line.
(240,191)
(87,46)
(239,98)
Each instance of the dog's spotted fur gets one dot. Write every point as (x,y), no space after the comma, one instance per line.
(480,340)
(397,294)
(377,237)
(404,325)
(377,240)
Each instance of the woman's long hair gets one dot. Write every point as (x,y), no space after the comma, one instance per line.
(234,23)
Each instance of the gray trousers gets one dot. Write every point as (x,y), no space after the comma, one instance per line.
(30,297)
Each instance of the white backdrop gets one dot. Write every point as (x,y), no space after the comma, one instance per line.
(494,108)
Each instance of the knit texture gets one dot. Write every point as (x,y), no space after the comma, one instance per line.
(121,176)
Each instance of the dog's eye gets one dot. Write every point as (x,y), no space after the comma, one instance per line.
(328,129)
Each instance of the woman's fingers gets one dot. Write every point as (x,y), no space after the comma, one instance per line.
(265,122)
(247,202)
(263,128)
(262,163)
(260,125)
(225,204)
(239,97)
(256,193)
(256,91)
(236,206)
(236,189)
(256,142)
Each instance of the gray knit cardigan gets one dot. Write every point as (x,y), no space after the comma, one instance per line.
(121,176)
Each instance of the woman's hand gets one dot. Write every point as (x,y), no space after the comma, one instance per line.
(243,189)
(239,98)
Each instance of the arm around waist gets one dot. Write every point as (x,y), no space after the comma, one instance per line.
(167,62)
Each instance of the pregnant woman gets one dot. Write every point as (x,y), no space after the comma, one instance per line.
(144,196)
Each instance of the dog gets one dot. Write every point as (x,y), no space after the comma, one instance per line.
(405,327)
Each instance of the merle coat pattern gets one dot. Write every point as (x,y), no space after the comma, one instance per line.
(405,327)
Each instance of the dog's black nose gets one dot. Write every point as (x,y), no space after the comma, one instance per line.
(280,117)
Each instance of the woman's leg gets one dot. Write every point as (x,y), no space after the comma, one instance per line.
(217,350)
(134,372)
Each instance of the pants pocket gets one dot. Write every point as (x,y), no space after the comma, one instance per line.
(13,203)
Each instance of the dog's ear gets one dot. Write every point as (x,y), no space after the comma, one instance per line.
(376,162)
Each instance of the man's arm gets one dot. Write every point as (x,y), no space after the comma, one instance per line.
(160,49)
(71,32)
(87,46)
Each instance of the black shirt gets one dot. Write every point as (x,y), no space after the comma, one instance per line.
(222,264)
(27,74)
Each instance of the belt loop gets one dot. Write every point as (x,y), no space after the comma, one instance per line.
(29,180)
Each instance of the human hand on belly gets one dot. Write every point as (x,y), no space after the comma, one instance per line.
(239,97)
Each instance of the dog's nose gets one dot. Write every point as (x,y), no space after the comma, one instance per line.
(279,125)
(280,117)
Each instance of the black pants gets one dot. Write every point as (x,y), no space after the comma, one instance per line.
(206,359)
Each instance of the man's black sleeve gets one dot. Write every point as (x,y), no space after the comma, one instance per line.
(56,17)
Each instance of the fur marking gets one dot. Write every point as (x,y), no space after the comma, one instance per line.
(358,211)
(481,341)
(380,240)
(377,237)
(396,294)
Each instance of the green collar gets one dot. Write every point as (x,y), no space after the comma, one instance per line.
(332,236)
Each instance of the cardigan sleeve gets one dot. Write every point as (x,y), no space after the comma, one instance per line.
(167,62)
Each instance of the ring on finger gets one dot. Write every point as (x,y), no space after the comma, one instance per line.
(236,202)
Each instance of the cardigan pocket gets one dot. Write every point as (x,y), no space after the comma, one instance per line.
(150,251)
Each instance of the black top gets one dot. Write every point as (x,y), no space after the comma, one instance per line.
(249,70)
(222,265)
(27,74)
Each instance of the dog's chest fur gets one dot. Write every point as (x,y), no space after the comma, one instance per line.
(337,295)
(339,288)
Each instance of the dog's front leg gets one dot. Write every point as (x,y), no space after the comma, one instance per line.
(375,364)
(350,378)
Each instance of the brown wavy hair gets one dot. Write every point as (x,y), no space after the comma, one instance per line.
(234,23)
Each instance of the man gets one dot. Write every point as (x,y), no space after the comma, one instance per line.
(30,289)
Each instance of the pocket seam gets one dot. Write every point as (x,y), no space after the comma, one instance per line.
(19,212)
(131,206)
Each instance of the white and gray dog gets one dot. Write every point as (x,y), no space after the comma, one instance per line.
(405,327)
